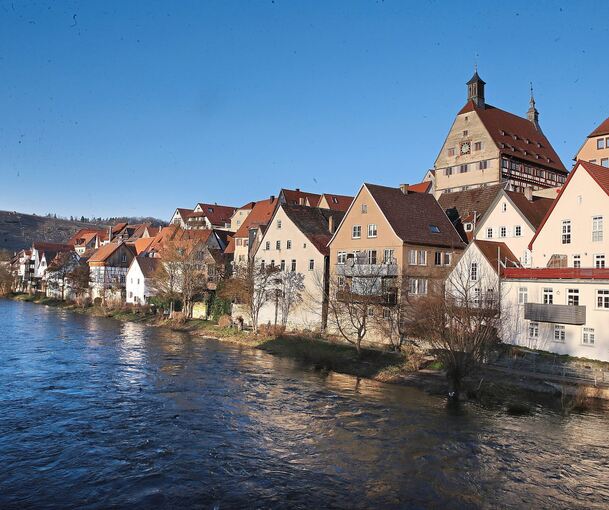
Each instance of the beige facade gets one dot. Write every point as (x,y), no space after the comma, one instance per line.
(596,147)
(575,229)
(239,217)
(285,246)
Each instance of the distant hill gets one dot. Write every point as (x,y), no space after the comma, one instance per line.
(18,230)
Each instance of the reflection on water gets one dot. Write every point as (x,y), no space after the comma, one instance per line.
(99,414)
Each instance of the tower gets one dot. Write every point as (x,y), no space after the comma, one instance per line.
(532,113)
(475,90)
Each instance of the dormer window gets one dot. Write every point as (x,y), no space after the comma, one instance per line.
(434,229)
(526,140)
(334,200)
(502,132)
(210,209)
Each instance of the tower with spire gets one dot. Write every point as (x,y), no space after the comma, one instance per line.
(532,113)
(475,89)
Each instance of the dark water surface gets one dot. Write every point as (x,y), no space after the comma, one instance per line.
(100,414)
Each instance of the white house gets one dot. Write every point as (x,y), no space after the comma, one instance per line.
(513,219)
(295,240)
(138,281)
(561,304)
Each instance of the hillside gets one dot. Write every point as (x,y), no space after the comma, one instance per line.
(18,230)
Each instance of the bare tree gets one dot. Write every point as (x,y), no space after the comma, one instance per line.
(79,279)
(461,326)
(6,279)
(58,271)
(252,286)
(290,286)
(356,295)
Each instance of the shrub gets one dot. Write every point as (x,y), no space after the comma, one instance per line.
(225,321)
(270,330)
(97,301)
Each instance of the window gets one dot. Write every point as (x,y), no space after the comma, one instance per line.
(502,231)
(422,259)
(483,165)
(272,263)
(341,257)
(600,143)
(605,162)
(451,151)
(417,286)
(372,230)
(388,256)
(548,296)
(262,264)
(278,245)
(123,258)
(577,261)
(412,257)
(573,297)
(293,265)
(371,256)
(602,299)
(448,171)
(465,132)
(478,146)
(386,313)
(434,229)
(588,336)
(523,295)
(334,200)
(517,231)
(468,227)
(533,329)
(559,333)
(282,265)
(267,245)
(340,280)
(357,232)
(288,244)
(122,278)
(279,224)
(438,258)
(364,209)
(311,265)
(489,233)
(597,229)
(463,169)
(447,259)
(503,207)
(566,231)
(599,261)
(473,271)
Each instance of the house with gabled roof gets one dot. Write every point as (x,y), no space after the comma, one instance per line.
(139,287)
(108,269)
(204,216)
(560,303)
(296,240)
(41,255)
(487,145)
(595,148)
(402,239)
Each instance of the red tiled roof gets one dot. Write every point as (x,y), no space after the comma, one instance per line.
(103,252)
(54,247)
(336,202)
(314,223)
(602,129)
(217,214)
(413,215)
(599,173)
(421,187)
(261,214)
(294,197)
(249,205)
(533,210)
(495,252)
(230,247)
(511,132)
(142,244)
(550,273)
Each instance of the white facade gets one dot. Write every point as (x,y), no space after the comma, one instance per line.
(108,282)
(138,287)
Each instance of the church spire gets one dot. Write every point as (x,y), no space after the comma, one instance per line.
(532,113)
(475,89)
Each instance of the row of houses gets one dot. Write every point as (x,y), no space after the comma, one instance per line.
(498,210)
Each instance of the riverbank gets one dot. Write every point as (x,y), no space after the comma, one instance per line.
(516,393)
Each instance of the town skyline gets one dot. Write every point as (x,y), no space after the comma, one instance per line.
(340,107)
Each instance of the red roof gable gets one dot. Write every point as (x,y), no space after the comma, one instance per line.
(295,196)
(516,136)
(421,187)
(336,202)
(261,214)
(217,214)
(602,129)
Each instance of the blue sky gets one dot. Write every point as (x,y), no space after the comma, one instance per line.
(134,108)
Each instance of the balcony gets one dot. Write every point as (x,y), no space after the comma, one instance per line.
(353,268)
(389,297)
(556,314)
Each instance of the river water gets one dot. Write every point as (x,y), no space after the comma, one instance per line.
(100,414)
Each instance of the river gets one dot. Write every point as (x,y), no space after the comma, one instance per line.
(101,414)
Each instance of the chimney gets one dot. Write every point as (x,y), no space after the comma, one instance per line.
(297,189)
(404,188)
(272,198)
(331,224)
(528,193)
(110,233)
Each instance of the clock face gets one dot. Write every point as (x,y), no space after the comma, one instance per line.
(465,148)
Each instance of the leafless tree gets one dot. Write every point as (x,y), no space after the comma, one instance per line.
(6,279)
(290,286)
(79,279)
(252,286)
(461,326)
(58,271)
